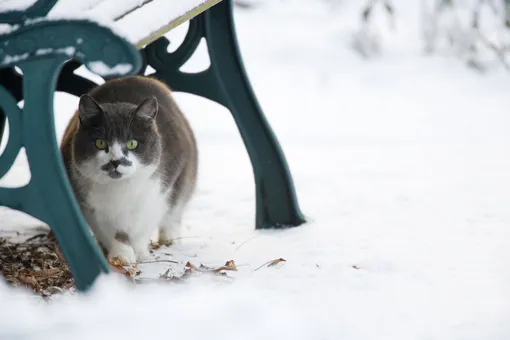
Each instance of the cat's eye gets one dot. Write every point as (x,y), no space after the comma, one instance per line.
(132,144)
(100,144)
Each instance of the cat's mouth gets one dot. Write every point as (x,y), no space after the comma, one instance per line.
(112,168)
(114,174)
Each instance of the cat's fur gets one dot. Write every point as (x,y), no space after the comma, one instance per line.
(151,185)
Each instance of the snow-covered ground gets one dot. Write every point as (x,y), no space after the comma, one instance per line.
(401,166)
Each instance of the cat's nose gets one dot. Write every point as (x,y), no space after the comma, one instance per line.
(115,163)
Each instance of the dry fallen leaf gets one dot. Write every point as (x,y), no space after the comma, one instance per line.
(275,262)
(190,265)
(272,263)
(229,265)
(117,265)
(29,280)
(190,269)
(47,272)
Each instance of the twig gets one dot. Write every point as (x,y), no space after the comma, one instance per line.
(155,261)
(36,236)
(248,240)
(270,263)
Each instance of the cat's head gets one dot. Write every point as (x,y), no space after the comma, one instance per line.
(115,141)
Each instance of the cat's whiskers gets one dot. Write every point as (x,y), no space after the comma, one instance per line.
(97,177)
(78,181)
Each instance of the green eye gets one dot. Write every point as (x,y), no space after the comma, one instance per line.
(132,144)
(100,144)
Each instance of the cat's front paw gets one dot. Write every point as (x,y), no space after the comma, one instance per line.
(166,242)
(165,238)
(122,253)
(143,255)
(142,251)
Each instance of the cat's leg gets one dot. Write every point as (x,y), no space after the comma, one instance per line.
(121,249)
(170,225)
(103,236)
(130,246)
(142,228)
(114,239)
(129,249)
(141,248)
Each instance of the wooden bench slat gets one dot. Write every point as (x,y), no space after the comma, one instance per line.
(139,21)
(191,13)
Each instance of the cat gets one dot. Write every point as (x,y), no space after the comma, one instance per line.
(132,160)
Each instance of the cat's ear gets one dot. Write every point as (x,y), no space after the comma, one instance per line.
(147,110)
(89,111)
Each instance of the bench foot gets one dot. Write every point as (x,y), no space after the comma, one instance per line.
(226,83)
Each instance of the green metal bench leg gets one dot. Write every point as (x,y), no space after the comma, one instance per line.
(48,196)
(2,125)
(226,83)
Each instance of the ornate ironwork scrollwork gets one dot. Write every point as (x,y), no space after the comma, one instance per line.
(9,107)
(158,57)
(80,40)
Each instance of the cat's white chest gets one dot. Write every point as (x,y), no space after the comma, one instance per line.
(135,205)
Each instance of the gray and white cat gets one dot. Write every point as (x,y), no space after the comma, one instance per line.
(131,158)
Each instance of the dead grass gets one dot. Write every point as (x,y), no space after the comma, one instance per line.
(36,264)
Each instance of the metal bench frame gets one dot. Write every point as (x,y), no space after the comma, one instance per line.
(48,196)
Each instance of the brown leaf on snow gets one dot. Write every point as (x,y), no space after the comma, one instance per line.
(229,265)
(190,265)
(117,262)
(275,262)
(191,270)
(170,277)
(117,265)
(272,263)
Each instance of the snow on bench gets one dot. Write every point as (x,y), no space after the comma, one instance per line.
(139,21)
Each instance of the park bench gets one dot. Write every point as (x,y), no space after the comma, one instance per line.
(43,44)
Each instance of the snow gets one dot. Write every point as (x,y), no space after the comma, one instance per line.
(133,20)
(102,69)
(120,17)
(14,58)
(69,51)
(401,165)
